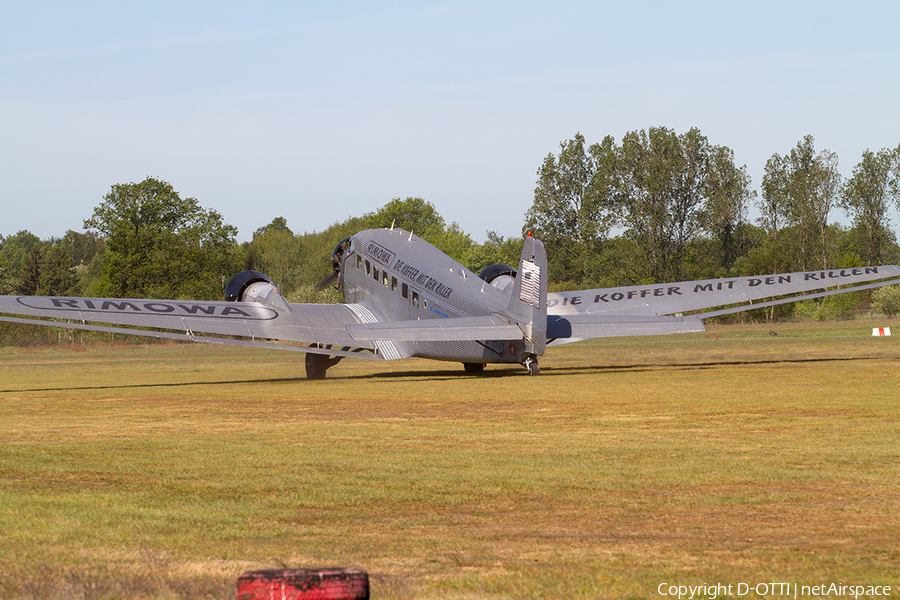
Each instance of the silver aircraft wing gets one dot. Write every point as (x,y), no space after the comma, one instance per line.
(656,308)
(258,323)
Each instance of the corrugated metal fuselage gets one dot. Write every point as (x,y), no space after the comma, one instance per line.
(398,277)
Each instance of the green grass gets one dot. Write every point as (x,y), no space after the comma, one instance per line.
(730,456)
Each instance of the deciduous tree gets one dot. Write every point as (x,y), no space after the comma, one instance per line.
(30,278)
(867,196)
(57,275)
(572,209)
(14,251)
(412,214)
(801,189)
(663,184)
(728,198)
(160,244)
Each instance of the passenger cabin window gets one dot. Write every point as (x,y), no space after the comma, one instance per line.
(404,291)
(375,273)
(393,284)
(385,278)
(415,299)
(359,262)
(368,267)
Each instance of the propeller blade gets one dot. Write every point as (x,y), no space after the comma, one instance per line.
(328,280)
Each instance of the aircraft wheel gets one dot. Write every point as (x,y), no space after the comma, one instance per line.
(316,365)
(473,367)
(533,367)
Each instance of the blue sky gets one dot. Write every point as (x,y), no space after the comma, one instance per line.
(317,111)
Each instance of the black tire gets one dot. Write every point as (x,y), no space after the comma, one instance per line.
(316,365)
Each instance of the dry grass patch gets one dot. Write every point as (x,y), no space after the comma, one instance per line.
(162,471)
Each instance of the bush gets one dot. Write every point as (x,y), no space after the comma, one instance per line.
(809,310)
(887,300)
(841,307)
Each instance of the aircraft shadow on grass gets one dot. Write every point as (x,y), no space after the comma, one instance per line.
(447,375)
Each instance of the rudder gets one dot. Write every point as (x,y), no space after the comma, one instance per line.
(528,302)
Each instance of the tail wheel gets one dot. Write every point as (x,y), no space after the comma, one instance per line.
(532,365)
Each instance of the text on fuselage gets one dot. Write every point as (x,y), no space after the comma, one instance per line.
(425,281)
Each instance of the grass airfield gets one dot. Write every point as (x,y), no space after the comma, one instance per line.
(165,471)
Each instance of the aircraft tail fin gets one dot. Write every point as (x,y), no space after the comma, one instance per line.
(528,302)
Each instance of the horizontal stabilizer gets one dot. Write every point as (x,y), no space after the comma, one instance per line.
(570,328)
(436,330)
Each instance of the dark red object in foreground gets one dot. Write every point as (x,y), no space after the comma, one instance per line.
(304,584)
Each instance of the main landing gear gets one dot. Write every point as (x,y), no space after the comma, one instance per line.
(317,364)
(532,365)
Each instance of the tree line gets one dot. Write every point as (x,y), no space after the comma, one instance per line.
(660,206)
(146,241)
(657,206)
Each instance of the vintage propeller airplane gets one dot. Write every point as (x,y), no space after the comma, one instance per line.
(404,297)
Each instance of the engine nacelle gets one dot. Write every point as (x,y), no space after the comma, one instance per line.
(500,276)
(253,286)
(237,288)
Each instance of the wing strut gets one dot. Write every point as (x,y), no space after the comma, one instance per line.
(728,311)
(191,337)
